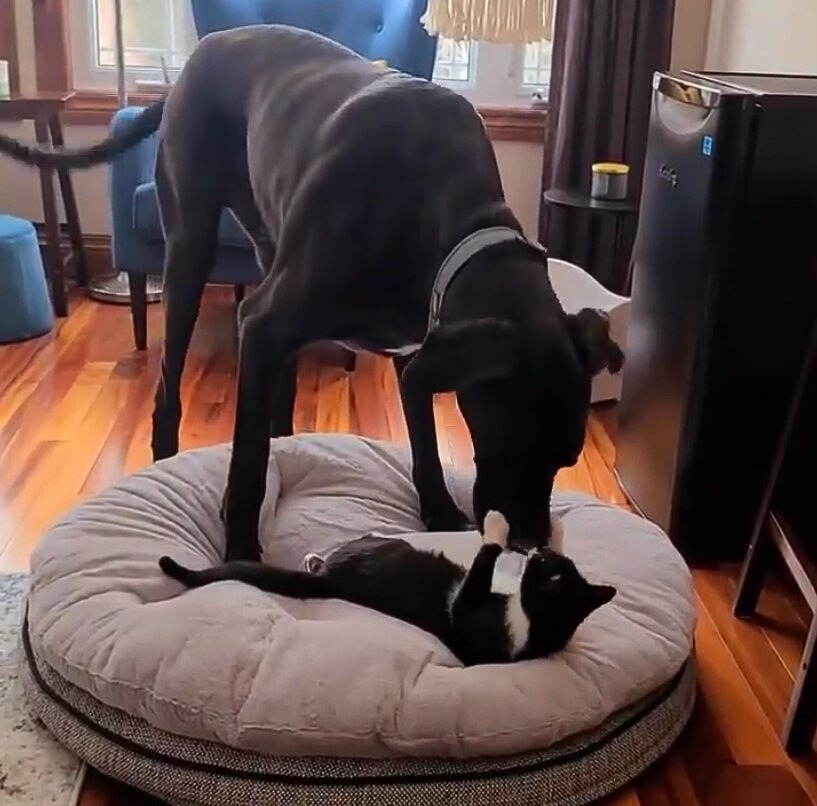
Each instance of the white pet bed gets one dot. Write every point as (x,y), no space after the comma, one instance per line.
(228,695)
(576,289)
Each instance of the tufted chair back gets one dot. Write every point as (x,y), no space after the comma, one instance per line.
(376,29)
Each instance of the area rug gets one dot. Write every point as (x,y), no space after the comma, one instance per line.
(34,769)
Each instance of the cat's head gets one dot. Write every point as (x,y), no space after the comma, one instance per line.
(556,599)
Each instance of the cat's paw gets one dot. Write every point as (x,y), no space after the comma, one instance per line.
(495,529)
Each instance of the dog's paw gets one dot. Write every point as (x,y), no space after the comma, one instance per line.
(495,529)
(446,519)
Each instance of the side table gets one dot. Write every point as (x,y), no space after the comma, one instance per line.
(584,202)
(45,109)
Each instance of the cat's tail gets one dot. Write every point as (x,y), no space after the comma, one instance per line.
(297,584)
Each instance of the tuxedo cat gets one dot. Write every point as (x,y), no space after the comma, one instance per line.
(432,592)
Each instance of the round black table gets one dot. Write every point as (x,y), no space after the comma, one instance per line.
(586,203)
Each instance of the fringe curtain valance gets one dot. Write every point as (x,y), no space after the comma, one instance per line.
(491,20)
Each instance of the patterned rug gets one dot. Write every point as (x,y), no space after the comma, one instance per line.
(34,769)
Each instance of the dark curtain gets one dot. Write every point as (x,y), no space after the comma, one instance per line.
(604,55)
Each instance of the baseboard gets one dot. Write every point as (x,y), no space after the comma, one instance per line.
(97,251)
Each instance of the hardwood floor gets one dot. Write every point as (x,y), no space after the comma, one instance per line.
(75,412)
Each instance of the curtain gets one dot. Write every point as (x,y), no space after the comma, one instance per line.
(604,55)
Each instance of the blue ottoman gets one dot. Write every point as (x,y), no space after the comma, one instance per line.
(25,306)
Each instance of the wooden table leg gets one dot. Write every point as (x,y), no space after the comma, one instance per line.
(52,227)
(69,201)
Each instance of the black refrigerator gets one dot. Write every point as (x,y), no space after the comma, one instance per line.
(724,291)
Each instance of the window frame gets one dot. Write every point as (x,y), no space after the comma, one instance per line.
(8,44)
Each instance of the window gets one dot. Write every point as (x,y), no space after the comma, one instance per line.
(156,33)
(453,61)
(160,33)
(494,74)
(536,67)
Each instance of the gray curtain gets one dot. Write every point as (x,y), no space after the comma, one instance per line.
(604,55)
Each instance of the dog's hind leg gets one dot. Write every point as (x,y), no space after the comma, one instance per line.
(242,204)
(262,351)
(190,199)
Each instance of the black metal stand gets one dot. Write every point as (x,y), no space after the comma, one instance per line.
(773,533)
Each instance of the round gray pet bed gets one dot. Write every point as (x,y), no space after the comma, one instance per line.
(226,695)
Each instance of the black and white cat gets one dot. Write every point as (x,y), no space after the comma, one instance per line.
(430,591)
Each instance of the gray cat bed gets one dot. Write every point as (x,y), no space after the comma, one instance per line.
(226,695)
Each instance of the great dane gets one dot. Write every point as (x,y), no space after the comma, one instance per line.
(377,213)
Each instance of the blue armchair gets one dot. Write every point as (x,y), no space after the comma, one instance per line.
(377,29)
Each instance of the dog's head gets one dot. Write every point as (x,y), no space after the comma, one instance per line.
(525,396)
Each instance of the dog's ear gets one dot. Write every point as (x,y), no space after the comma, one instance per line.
(458,355)
(590,332)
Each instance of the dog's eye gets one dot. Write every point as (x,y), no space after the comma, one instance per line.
(555,578)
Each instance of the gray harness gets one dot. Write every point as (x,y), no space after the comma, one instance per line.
(466,249)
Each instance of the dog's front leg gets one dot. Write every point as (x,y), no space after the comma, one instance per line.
(437,507)
(283,399)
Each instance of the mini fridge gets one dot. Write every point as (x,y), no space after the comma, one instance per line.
(724,290)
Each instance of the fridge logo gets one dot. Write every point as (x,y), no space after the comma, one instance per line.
(668,175)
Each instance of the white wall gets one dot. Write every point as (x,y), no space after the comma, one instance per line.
(689,34)
(763,35)
(521,167)
(20,185)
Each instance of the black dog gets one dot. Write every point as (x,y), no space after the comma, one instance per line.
(377,212)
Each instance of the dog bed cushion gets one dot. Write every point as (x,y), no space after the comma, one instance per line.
(233,665)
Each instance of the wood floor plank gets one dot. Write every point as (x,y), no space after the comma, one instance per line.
(136,375)
(779,616)
(306,400)
(63,422)
(75,416)
(332,413)
(748,731)
(770,681)
(626,797)
(12,402)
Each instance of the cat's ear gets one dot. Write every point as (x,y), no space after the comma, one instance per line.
(597,596)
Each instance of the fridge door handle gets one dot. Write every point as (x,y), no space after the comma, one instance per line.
(687,91)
